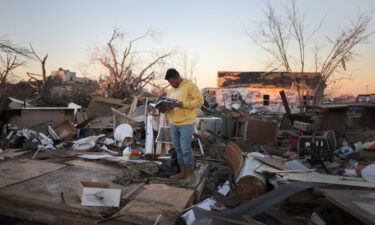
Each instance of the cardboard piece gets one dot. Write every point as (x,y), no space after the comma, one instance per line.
(65,130)
(98,194)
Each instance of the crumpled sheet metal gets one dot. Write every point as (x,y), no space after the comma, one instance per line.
(256,206)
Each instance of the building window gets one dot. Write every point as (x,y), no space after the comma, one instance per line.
(307,99)
(304,100)
(266,100)
(234,97)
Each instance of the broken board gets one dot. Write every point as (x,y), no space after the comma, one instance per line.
(95,166)
(278,164)
(358,203)
(151,202)
(15,171)
(325,179)
(13,153)
(65,180)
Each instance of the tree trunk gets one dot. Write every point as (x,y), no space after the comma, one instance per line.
(319,93)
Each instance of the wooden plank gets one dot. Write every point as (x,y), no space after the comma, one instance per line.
(102,122)
(230,221)
(281,217)
(358,203)
(65,180)
(112,101)
(95,166)
(145,112)
(326,179)
(13,153)
(285,102)
(250,220)
(278,164)
(149,204)
(44,211)
(52,198)
(133,107)
(120,118)
(15,171)
(267,169)
(304,197)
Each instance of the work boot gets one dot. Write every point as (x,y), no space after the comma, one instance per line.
(190,179)
(181,174)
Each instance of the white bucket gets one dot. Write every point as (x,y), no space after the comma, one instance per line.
(123,131)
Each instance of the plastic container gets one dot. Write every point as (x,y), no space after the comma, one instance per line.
(127,152)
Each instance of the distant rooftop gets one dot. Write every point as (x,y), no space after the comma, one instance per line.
(265,79)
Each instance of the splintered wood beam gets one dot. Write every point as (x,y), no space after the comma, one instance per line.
(130,120)
(231,221)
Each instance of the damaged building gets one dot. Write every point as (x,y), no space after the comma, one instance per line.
(261,89)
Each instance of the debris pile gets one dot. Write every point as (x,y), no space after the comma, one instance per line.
(252,167)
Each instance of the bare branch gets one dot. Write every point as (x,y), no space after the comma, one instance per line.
(42,63)
(124,78)
(9,47)
(9,64)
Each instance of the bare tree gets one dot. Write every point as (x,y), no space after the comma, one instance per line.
(277,32)
(9,64)
(189,64)
(120,63)
(341,52)
(84,69)
(42,64)
(10,58)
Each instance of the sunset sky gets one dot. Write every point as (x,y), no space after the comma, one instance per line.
(212,32)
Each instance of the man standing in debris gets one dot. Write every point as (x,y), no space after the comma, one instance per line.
(182,120)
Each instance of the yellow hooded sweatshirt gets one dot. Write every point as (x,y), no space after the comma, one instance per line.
(188,93)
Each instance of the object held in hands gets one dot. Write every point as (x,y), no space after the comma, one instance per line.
(165,104)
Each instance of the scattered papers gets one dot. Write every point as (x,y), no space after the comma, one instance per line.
(225,188)
(189,216)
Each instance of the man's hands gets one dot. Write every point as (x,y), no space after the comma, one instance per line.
(179,104)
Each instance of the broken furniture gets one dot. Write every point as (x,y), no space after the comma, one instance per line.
(331,117)
(257,131)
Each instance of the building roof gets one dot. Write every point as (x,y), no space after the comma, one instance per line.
(265,79)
